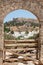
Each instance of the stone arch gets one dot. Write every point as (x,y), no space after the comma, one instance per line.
(34,6)
(31,6)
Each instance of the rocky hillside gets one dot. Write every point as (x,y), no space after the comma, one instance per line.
(21,21)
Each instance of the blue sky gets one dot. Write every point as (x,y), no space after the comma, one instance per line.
(19,14)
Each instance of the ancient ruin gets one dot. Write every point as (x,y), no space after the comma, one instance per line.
(34,6)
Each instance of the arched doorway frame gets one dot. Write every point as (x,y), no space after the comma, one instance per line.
(39,35)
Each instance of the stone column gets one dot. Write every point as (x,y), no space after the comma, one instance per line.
(40,40)
(1,42)
(41,32)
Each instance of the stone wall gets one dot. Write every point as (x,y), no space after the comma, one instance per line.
(41,32)
(34,6)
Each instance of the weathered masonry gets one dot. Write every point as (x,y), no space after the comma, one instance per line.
(34,6)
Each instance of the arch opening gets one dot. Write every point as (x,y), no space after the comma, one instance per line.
(21,24)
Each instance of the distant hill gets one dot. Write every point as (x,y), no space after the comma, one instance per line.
(19,25)
(21,21)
